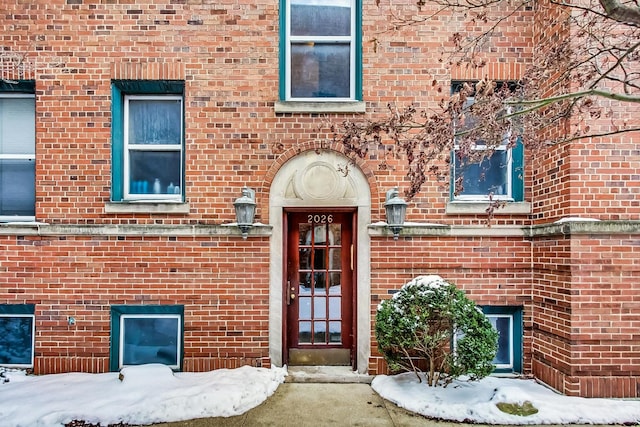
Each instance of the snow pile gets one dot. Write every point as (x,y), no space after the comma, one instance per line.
(475,402)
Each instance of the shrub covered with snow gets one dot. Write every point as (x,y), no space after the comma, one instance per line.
(431,325)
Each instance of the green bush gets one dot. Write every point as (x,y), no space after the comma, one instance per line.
(430,320)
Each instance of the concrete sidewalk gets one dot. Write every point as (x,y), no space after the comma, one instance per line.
(313,397)
(324,396)
(318,404)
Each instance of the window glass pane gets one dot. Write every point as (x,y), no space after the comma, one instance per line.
(305,284)
(319,332)
(16,340)
(304,332)
(335,236)
(155,172)
(304,308)
(17,126)
(335,259)
(320,308)
(334,283)
(305,259)
(503,326)
(150,340)
(334,308)
(321,283)
(17,187)
(331,18)
(320,70)
(488,176)
(155,121)
(305,234)
(335,332)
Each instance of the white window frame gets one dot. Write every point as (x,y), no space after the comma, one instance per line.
(509,365)
(121,343)
(33,340)
(150,147)
(351,39)
(25,156)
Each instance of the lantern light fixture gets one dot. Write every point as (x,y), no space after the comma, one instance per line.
(245,206)
(396,209)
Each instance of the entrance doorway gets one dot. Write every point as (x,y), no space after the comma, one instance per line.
(319,291)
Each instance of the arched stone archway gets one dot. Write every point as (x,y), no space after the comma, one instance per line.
(312,179)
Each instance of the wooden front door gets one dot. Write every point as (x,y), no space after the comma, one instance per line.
(319,292)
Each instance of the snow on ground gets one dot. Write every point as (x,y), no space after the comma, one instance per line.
(153,393)
(476,401)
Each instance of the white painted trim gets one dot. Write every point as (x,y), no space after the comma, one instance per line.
(281,196)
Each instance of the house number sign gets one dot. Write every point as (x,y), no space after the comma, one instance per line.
(320,219)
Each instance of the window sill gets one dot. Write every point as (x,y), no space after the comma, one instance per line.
(147,207)
(320,107)
(472,208)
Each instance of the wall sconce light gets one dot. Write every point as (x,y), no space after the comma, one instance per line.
(396,209)
(245,210)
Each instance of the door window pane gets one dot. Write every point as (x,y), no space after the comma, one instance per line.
(150,339)
(334,283)
(305,284)
(335,332)
(17,340)
(320,287)
(304,308)
(320,308)
(335,233)
(304,332)
(319,332)
(334,308)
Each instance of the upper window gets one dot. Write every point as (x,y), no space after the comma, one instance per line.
(17,152)
(148,141)
(146,334)
(17,329)
(321,60)
(497,176)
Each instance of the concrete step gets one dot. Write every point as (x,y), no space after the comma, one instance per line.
(326,374)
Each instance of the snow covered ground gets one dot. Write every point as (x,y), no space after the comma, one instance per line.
(153,393)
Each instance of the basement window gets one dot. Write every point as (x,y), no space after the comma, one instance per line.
(17,335)
(146,334)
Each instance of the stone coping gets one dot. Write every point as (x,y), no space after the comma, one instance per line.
(380,229)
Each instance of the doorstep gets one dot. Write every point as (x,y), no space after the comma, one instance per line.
(326,374)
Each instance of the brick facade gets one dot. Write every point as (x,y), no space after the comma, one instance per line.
(576,282)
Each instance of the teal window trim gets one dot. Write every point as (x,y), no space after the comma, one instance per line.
(517,333)
(119,89)
(282,61)
(118,310)
(18,86)
(516,153)
(24,311)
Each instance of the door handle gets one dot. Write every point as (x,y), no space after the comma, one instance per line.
(291,291)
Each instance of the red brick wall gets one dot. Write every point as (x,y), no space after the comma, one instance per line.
(491,271)
(222,282)
(227,54)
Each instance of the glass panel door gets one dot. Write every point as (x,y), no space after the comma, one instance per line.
(319,292)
